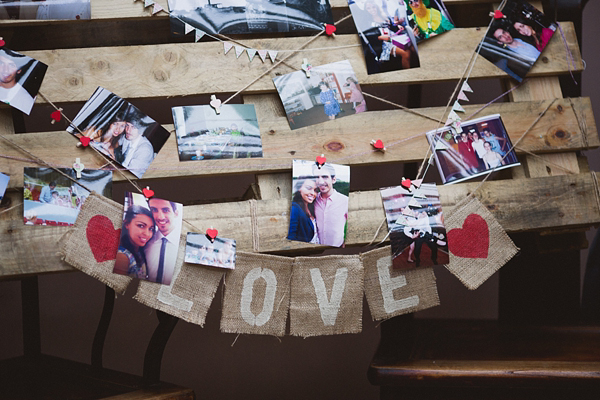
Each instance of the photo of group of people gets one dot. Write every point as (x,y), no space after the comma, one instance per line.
(149,238)
(20,79)
(319,211)
(50,198)
(120,130)
(202,134)
(482,145)
(45,9)
(514,43)
(249,16)
(332,91)
(414,219)
(3,184)
(220,252)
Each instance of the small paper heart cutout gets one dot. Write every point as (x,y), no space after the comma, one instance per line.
(405,183)
(378,144)
(103,238)
(330,29)
(472,240)
(85,141)
(148,192)
(212,233)
(55,116)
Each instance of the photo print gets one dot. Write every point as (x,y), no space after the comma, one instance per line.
(428,18)
(331,92)
(120,130)
(45,9)
(249,16)
(20,79)
(3,184)
(202,134)
(50,198)
(200,250)
(514,43)
(481,146)
(387,40)
(416,224)
(319,211)
(149,238)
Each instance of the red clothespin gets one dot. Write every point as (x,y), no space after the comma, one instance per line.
(211,234)
(56,115)
(330,29)
(378,145)
(148,193)
(321,160)
(497,14)
(2,42)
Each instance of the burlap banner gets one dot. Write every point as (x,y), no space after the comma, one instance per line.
(327,296)
(391,292)
(257,295)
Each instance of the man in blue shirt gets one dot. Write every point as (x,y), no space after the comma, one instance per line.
(46,195)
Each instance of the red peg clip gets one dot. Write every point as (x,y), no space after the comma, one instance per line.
(497,14)
(56,115)
(330,29)
(406,183)
(2,42)
(211,234)
(378,145)
(321,160)
(148,193)
(83,141)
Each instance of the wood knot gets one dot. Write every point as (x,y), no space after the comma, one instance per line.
(169,56)
(557,137)
(100,65)
(545,60)
(334,146)
(271,132)
(293,152)
(160,75)
(560,108)
(74,81)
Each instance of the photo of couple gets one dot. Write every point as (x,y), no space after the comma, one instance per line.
(3,184)
(199,249)
(319,211)
(149,238)
(120,130)
(20,79)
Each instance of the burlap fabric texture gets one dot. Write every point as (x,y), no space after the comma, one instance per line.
(257,295)
(77,250)
(391,292)
(327,296)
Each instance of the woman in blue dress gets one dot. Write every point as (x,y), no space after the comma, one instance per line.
(327,97)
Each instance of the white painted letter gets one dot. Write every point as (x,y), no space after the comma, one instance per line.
(165,295)
(388,284)
(329,309)
(269,301)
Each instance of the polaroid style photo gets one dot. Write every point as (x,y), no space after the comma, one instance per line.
(149,238)
(514,43)
(50,198)
(416,224)
(202,134)
(482,145)
(120,130)
(387,40)
(249,16)
(20,79)
(3,184)
(319,211)
(331,92)
(45,9)
(428,18)
(199,249)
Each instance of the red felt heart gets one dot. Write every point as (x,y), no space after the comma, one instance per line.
(472,241)
(56,116)
(321,160)
(103,238)
(406,183)
(84,140)
(498,14)
(329,29)
(212,233)
(148,192)
(378,144)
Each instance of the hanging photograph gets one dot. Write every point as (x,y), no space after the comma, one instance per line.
(3,184)
(199,249)
(514,43)
(20,79)
(482,145)
(387,40)
(428,18)
(249,16)
(45,9)
(50,198)
(332,91)
(149,238)
(120,130)
(416,224)
(319,211)
(202,134)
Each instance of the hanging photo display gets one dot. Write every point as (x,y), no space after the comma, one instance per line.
(332,91)
(45,9)
(515,42)
(416,224)
(149,238)
(120,130)
(200,249)
(319,211)
(20,79)
(428,18)
(202,134)
(3,184)
(387,40)
(50,198)
(249,16)
(482,145)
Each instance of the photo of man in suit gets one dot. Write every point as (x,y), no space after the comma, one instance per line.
(161,251)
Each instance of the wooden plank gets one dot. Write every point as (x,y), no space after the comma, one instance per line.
(190,68)
(345,140)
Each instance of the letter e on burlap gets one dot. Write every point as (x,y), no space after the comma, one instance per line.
(477,243)
(391,292)
(93,242)
(327,296)
(257,295)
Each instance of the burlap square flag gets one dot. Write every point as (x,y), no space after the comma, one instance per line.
(391,292)
(327,296)
(257,295)
(93,243)
(478,244)
(190,293)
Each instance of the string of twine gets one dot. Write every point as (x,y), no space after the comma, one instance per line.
(596,188)
(10,208)
(581,122)
(254,222)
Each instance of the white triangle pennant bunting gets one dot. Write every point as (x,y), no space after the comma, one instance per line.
(414,203)
(227,46)
(238,51)
(466,87)
(262,54)
(157,8)
(199,34)
(462,96)
(251,53)
(457,107)
(272,55)
(148,3)
(417,182)
(401,221)
(453,116)
(188,28)
(419,194)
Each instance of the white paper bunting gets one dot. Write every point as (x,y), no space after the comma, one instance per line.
(457,107)
(227,46)
(157,8)
(238,51)
(272,55)
(453,116)
(466,88)
(462,96)
(251,53)
(262,54)
(188,28)
(148,3)
(199,34)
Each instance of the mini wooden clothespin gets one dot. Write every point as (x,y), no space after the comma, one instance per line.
(378,145)
(215,103)
(211,234)
(84,141)
(2,42)
(406,183)
(306,67)
(321,160)
(78,167)
(56,115)
(148,193)
(497,14)
(330,29)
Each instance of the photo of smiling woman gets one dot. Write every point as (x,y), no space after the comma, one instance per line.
(303,225)
(138,229)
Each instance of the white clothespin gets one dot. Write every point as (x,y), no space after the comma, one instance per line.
(78,167)
(215,103)
(306,67)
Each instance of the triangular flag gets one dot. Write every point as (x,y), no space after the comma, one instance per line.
(157,8)
(462,96)
(188,28)
(408,211)
(414,203)
(227,46)
(419,194)
(251,53)
(148,3)
(262,54)
(272,54)
(199,34)
(457,107)
(466,87)
(439,145)
(417,182)
(453,116)
(402,221)
(238,51)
